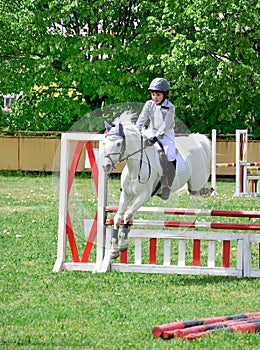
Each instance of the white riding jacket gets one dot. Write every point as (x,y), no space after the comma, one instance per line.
(162,124)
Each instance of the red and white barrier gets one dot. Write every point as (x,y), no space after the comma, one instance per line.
(197,212)
(170,242)
(193,241)
(192,224)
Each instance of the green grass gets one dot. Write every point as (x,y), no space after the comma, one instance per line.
(40,309)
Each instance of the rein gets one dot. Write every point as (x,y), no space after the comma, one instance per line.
(132,154)
(141,163)
(121,158)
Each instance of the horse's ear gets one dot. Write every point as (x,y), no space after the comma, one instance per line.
(120,129)
(107,126)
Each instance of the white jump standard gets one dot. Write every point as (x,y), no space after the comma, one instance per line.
(247,173)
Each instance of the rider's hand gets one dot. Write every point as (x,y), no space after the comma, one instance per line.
(151,141)
(159,134)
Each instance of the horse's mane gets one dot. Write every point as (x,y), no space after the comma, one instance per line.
(126,119)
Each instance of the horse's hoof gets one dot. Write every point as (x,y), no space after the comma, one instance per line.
(114,252)
(165,193)
(206,192)
(123,248)
(122,243)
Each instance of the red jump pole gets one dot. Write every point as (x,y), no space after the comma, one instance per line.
(193,224)
(183,333)
(157,331)
(241,327)
(195,212)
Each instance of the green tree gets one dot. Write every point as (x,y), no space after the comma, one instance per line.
(73,57)
(213,62)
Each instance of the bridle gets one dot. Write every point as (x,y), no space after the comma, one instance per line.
(121,153)
(126,157)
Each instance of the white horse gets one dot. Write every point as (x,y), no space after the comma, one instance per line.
(142,173)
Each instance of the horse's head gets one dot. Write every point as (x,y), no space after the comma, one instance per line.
(113,146)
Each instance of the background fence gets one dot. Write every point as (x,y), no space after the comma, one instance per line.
(37,153)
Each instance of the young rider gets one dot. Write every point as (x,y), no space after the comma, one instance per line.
(160,112)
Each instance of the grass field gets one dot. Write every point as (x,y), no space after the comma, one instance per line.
(80,310)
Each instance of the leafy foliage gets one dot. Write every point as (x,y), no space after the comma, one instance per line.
(213,62)
(70,58)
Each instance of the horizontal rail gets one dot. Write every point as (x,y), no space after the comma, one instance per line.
(191,224)
(229,165)
(253,177)
(197,212)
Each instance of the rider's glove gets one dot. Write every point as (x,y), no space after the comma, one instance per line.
(151,141)
(159,134)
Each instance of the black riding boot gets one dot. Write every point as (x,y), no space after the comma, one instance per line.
(170,171)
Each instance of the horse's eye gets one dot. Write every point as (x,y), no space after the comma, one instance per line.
(118,144)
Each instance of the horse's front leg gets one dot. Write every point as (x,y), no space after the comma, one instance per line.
(117,244)
(123,238)
(123,234)
(114,252)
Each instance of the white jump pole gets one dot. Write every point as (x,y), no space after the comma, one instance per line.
(213,160)
(63,202)
(244,160)
(102,203)
(241,160)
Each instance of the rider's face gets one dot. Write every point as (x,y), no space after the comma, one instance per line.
(157,97)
